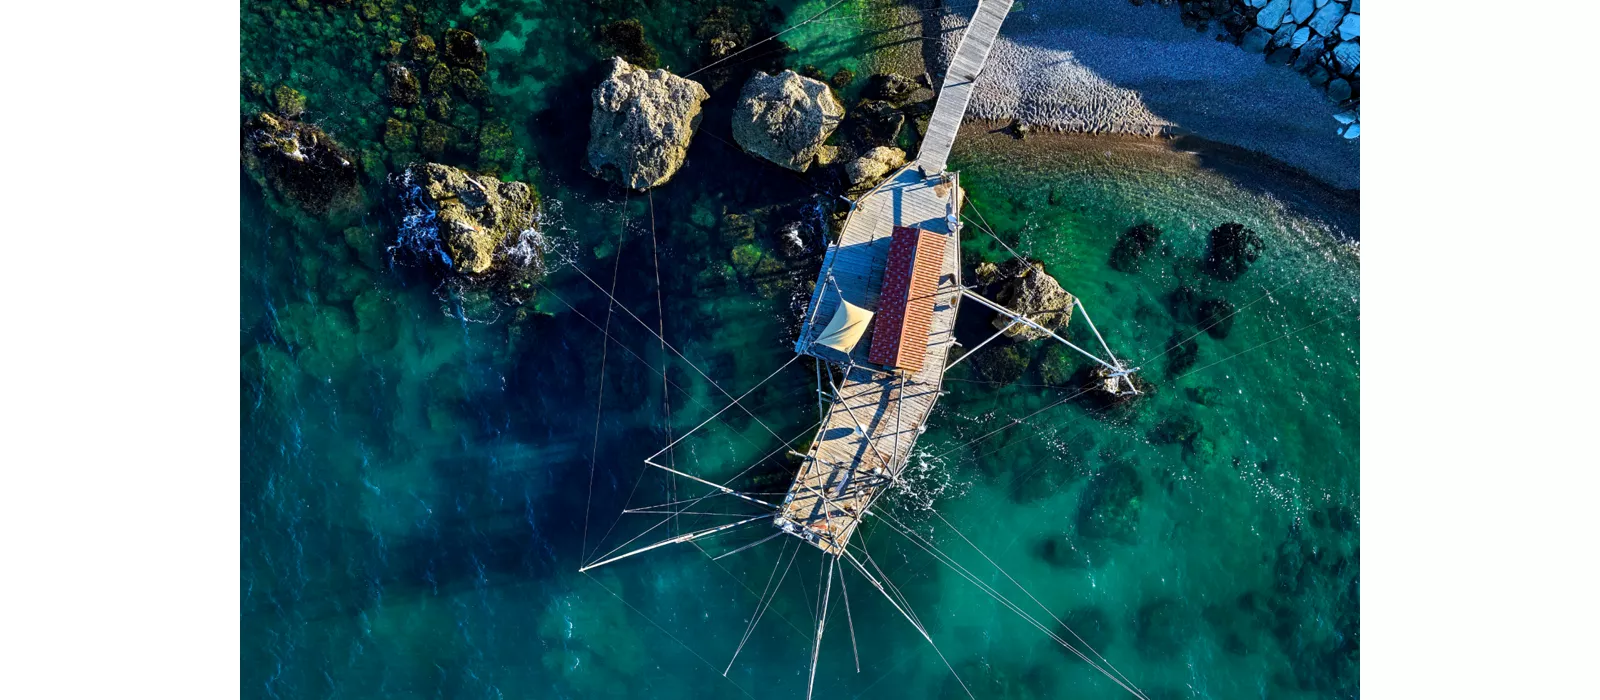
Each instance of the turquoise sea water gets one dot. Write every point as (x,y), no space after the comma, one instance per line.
(420,478)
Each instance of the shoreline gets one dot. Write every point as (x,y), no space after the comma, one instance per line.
(1110,68)
(1246,169)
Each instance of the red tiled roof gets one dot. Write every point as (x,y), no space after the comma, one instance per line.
(905,306)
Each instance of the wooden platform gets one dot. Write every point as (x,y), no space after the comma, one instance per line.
(868,433)
(959,78)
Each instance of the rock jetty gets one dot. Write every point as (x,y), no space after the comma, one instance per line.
(641,125)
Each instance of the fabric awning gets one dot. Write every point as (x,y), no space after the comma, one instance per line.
(845,329)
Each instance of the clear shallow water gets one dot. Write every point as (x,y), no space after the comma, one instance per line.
(414,486)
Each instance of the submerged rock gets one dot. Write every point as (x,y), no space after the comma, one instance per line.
(641,125)
(1231,250)
(625,39)
(785,118)
(891,87)
(1132,245)
(1216,317)
(1027,289)
(872,166)
(473,223)
(1109,506)
(301,164)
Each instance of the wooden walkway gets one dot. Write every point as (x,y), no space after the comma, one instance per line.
(959,78)
(869,430)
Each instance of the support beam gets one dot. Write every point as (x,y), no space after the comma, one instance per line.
(1024,320)
(676,540)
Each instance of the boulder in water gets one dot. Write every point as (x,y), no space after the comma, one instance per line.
(785,118)
(1026,288)
(1231,250)
(872,166)
(641,125)
(1109,506)
(301,164)
(473,223)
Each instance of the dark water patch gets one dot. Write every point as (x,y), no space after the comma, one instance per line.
(1163,628)
(1110,505)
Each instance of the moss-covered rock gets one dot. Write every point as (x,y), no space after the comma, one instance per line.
(469,85)
(1001,364)
(421,48)
(288,101)
(299,164)
(404,89)
(399,135)
(625,38)
(462,50)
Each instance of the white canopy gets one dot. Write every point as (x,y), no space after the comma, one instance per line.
(846,327)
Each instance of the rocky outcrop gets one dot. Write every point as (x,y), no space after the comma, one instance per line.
(472,223)
(785,118)
(872,166)
(1024,287)
(300,164)
(641,125)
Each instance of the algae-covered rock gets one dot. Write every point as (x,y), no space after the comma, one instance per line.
(642,122)
(404,88)
(301,164)
(462,50)
(1230,251)
(873,166)
(1000,364)
(473,223)
(399,135)
(625,39)
(785,118)
(1132,245)
(1026,288)
(288,101)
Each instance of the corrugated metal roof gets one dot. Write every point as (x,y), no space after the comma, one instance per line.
(905,306)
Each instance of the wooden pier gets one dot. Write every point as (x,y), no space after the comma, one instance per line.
(869,430)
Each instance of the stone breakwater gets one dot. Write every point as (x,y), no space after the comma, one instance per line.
(1319,38)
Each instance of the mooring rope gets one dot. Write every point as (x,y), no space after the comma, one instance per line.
(770,38)
(600,390)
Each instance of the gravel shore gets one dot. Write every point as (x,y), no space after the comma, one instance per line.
(1107,66)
